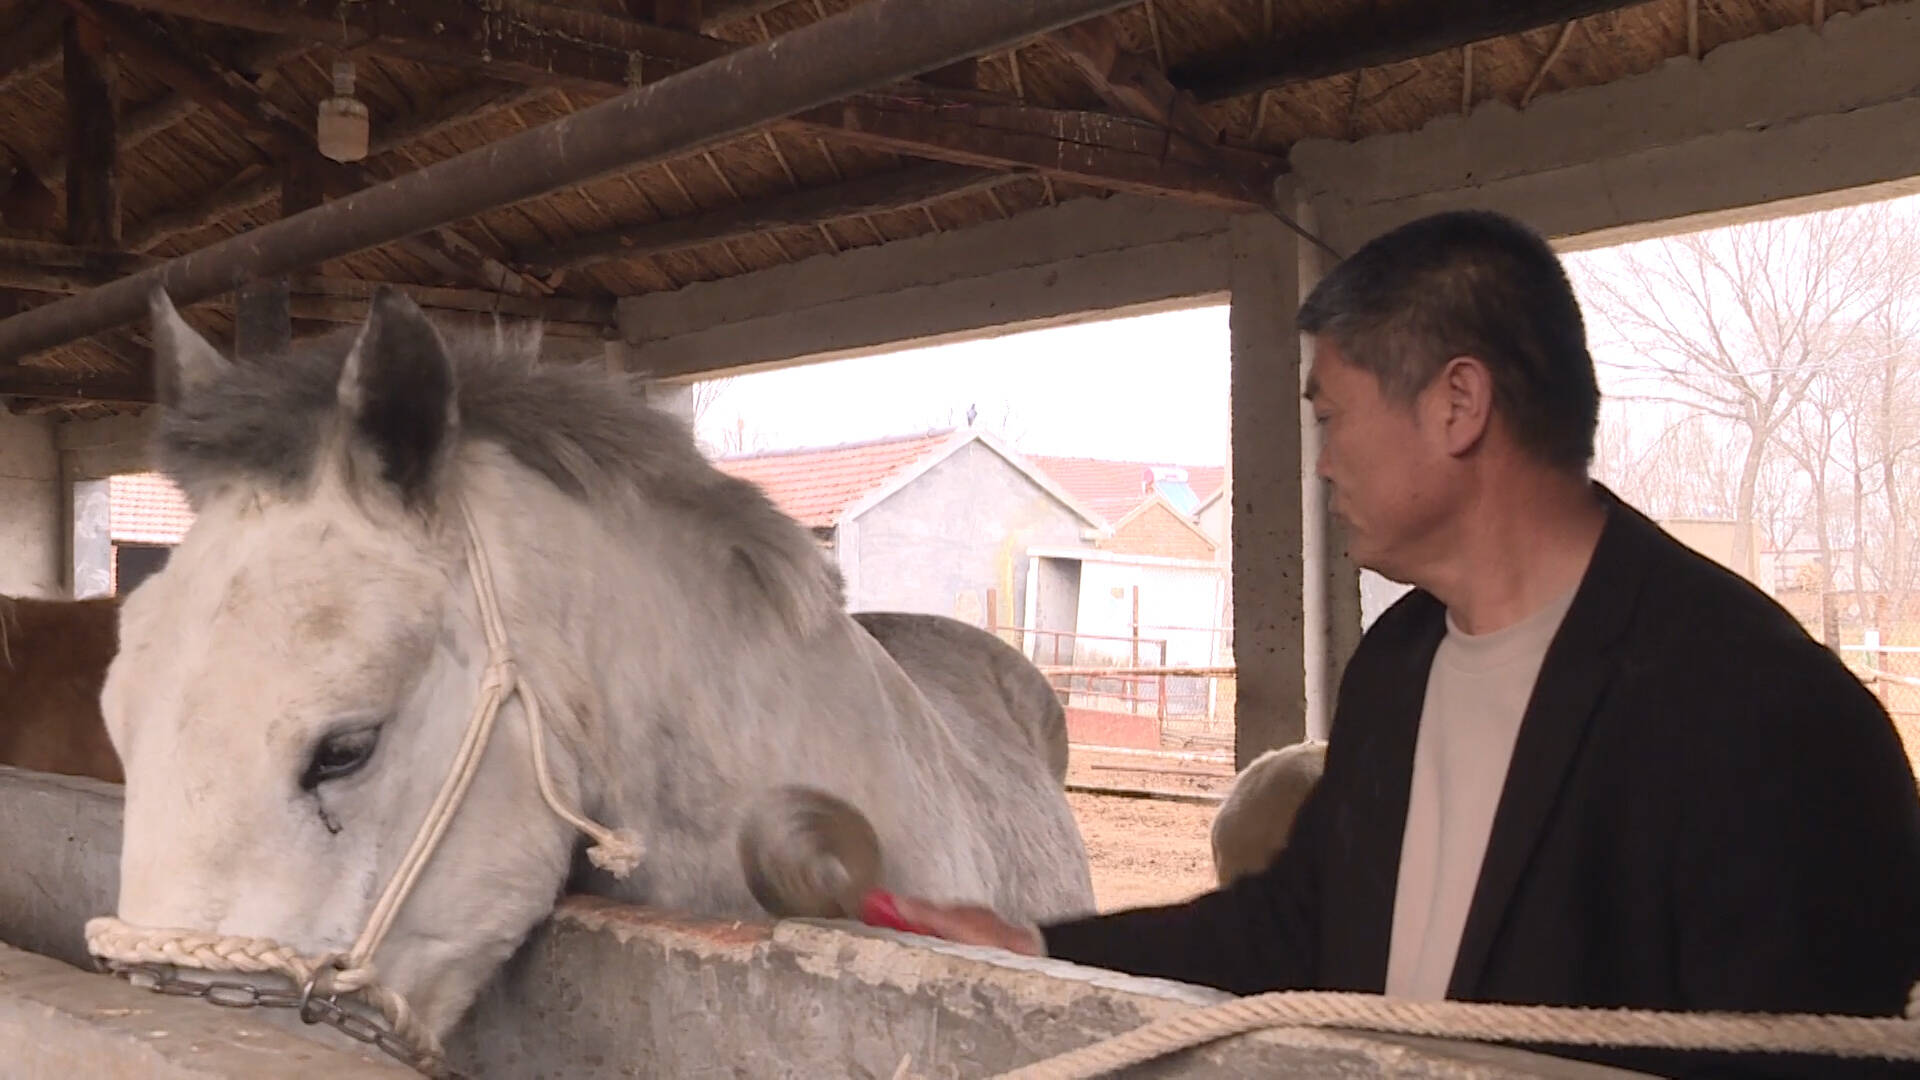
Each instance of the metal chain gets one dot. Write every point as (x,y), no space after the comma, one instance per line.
(312,1010)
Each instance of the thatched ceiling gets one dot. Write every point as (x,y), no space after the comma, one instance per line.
(1184,99)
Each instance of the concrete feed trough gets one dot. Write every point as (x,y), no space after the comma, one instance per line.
(610,990)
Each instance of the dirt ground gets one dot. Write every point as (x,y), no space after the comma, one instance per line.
(1146,851)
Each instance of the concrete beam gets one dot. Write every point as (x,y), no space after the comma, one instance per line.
(1802,117)
(1040,268)
(1269,575)
(604,989)
(30,510)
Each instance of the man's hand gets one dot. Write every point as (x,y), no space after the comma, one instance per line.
(965,923)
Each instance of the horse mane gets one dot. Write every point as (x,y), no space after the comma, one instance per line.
(587,431)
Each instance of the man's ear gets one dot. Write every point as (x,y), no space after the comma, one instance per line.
(1466,388)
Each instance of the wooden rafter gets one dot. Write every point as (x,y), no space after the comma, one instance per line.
(155,117)
(78,387)
(256,186)
(714,12)
(279,138)
(519,40)
(1305,53)
(900,190)
(1097,149)
(1129,82)
(31,48)
(90,77)
(62,268)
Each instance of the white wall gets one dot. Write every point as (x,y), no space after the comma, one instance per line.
(30,509)
(1170,596)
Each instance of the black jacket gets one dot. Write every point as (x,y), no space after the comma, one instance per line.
(1705,810)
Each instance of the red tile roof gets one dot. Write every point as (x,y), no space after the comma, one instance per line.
(145,508)
(1113,488)
(815,487)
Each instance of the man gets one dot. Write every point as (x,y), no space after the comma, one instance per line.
(1579,764)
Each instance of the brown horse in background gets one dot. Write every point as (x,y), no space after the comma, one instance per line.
(53,660)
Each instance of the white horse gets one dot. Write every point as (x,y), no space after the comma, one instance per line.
(292,688)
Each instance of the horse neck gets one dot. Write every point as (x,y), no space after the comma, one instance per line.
(635,638)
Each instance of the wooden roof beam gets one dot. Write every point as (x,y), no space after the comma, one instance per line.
(1129,82)
(257,185)
(516,39)
(1363,41)
(78,387)
(64,269)
(149,120)
(281,139)
(715,12)
(1093,148)
(876,44)
(31,48)
(808,206)
(1101,150)
(90,77)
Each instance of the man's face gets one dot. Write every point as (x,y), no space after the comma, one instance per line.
(1385,462)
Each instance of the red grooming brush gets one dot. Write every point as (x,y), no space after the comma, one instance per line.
(878,909)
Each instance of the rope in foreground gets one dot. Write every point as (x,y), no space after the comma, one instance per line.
(1884,1038)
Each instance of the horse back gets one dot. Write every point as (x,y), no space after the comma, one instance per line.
(53,662)
(989,679)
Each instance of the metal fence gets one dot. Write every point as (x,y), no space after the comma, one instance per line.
(1892,672)
(1094,673)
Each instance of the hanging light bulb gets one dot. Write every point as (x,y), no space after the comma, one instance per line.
(342,127)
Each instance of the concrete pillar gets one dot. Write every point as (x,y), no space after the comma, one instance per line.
(30,507)
(1332,593)
(1269,613)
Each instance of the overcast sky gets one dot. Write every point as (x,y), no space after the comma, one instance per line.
(1147,388)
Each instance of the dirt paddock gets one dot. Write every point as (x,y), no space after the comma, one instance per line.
(1145,851)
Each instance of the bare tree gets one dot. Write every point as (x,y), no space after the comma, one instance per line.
(1736,323)
(1810,435)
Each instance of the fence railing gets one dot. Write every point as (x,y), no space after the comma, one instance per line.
(1101,674)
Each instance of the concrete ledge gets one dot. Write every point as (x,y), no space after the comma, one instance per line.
(59,860)
(57,1021)
(604,989)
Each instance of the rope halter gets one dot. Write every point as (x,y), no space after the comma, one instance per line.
(128,949)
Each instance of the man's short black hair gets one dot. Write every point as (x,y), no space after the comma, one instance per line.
(1469,283)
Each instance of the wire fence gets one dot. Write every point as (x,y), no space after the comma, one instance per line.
(1099,675)
(1892,672)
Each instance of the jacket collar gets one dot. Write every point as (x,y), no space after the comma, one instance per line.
(1580,661)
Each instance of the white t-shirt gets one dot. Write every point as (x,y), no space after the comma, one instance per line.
(1477,693)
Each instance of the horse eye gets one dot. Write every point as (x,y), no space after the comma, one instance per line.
(338,755)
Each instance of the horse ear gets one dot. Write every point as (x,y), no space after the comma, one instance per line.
(397,390)
(184,362)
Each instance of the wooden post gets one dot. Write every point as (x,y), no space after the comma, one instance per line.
(263,309)
(1269,623)
(93,172)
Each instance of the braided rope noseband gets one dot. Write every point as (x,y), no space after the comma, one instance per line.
(124,947)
